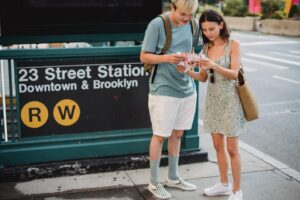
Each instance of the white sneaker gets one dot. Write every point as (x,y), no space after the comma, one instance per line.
(181,184)
(238,195)
(159,191)
(218,189)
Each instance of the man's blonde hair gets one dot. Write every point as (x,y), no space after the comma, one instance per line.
(189,6)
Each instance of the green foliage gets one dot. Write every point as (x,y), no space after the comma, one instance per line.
(166,6)
(279,14)
(294,12)
(203,7)
(253,14)
(269,7)
(234,8)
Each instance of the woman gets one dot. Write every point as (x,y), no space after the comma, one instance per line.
(223,116)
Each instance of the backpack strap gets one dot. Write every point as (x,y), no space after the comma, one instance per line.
(168,31)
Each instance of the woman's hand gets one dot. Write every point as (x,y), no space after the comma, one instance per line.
(207,63)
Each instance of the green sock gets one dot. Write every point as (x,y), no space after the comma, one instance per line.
(173,167)
(154,171)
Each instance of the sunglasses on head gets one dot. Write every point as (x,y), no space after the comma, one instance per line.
(212,76)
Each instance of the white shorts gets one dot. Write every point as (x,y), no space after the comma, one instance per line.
(170,113)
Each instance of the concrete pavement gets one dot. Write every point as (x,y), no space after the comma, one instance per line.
(263,178)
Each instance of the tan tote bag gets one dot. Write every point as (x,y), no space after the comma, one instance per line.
(247,97)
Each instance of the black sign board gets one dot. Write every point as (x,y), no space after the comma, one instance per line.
(62,96)
(61,17)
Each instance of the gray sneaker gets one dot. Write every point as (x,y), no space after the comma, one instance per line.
(159,191)
(181,184)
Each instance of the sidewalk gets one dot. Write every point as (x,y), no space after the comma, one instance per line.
(263,179)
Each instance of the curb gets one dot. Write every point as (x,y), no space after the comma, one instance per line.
(270,160)
(87,166)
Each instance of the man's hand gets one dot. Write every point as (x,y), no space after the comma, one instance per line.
(180,68)
(174,58)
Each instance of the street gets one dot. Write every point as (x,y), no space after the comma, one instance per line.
(272,65)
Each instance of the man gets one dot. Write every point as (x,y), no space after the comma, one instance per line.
(172,98)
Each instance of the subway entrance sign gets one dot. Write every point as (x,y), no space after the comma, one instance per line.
(82,95)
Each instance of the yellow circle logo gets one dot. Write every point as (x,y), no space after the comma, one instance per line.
(66,112)
(34,114)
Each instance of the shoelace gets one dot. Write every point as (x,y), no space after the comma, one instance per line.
(184,183)
(216,186)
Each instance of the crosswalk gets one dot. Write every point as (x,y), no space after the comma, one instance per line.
(276,60)
(295,52)
(264,63)
(290,55)
(286,79)
(270,58)
(268,43)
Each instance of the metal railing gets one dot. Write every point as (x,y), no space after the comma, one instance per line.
(3,106)
(8,108)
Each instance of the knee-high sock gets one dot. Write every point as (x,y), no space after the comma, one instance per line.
(154,171)
(173,167)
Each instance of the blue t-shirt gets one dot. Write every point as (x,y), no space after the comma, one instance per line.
(169,82)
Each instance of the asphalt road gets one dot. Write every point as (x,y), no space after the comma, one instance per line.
(272,65)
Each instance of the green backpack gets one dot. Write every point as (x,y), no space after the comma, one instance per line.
(168,31)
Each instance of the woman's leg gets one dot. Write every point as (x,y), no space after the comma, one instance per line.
(233,150)
(223,188)
(219,145)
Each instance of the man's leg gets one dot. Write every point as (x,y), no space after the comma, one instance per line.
(173,150)
(155,155)
(155,187)
(174,180)
(184,119)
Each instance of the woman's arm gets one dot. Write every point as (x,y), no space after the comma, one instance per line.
(235,57)
(200,76)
